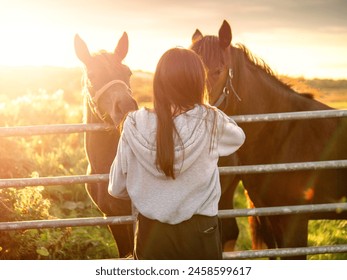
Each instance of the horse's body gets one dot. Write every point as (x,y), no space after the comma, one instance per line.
(258,91)
(107,99)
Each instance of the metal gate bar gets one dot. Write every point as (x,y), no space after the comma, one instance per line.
(80,128)
(261,211)
(73,222)
(246,169)
(31,130)
(285,252)
(304,115)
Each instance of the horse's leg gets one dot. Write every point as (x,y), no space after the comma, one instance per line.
(230,230)
(110,206)
(124,237)
(290,232)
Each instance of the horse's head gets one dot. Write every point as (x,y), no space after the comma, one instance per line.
(107,81)
(216,52)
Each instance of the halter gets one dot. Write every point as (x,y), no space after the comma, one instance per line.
(93,100)
(225,92)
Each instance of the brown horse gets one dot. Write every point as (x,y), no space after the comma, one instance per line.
(243,84)
(107,99)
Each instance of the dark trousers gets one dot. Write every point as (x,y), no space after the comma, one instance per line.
(195,239)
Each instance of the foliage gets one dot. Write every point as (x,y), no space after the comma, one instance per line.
(324,232)
(49,155)
(65,243)
(15,163)
(26,204)
(240,202)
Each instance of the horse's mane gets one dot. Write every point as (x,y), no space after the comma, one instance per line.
(208,47)
(260,64)
(255,60)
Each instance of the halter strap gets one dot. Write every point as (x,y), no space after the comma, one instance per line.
(227,86)
(101,91)
(93,100)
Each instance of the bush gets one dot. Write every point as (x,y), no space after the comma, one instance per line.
(47,155)
(61,243)
(26,204)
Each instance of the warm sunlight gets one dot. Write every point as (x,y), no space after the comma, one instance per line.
(28,38)
(74,129)
(41,33)
(144,53)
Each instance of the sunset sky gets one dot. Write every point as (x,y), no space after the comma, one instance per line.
(297,38)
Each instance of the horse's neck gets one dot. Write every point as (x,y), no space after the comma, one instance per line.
(269,95)
(100,146)
(261,95)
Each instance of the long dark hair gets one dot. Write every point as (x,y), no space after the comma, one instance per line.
(179,83)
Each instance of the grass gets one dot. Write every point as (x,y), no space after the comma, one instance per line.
(327,232)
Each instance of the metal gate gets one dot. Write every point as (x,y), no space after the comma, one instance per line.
(284,167)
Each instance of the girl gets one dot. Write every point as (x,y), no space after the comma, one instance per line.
(167,163)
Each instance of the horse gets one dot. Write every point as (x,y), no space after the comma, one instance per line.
(241,83)
(107,99)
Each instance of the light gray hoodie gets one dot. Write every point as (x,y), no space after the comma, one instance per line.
(196,189)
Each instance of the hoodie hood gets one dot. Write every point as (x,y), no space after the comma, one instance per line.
(140,133)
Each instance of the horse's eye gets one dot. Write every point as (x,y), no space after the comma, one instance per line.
(218,72)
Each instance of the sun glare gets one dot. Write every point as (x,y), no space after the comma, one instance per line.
(144,54)
(27,47)
(28,38)
(34,35)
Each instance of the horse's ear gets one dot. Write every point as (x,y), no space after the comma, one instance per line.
(225,35)
(197,36)
(81,49)
(122,47)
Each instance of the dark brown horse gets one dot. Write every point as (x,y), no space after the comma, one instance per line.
(107,99)
(250,87)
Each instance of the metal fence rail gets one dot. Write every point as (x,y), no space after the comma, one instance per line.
(254,254)
(285,252)
(31,130)
(92,221)
(246,169)
(79,128)
(52,181)
(304,115)
(266,211)
(73,222)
